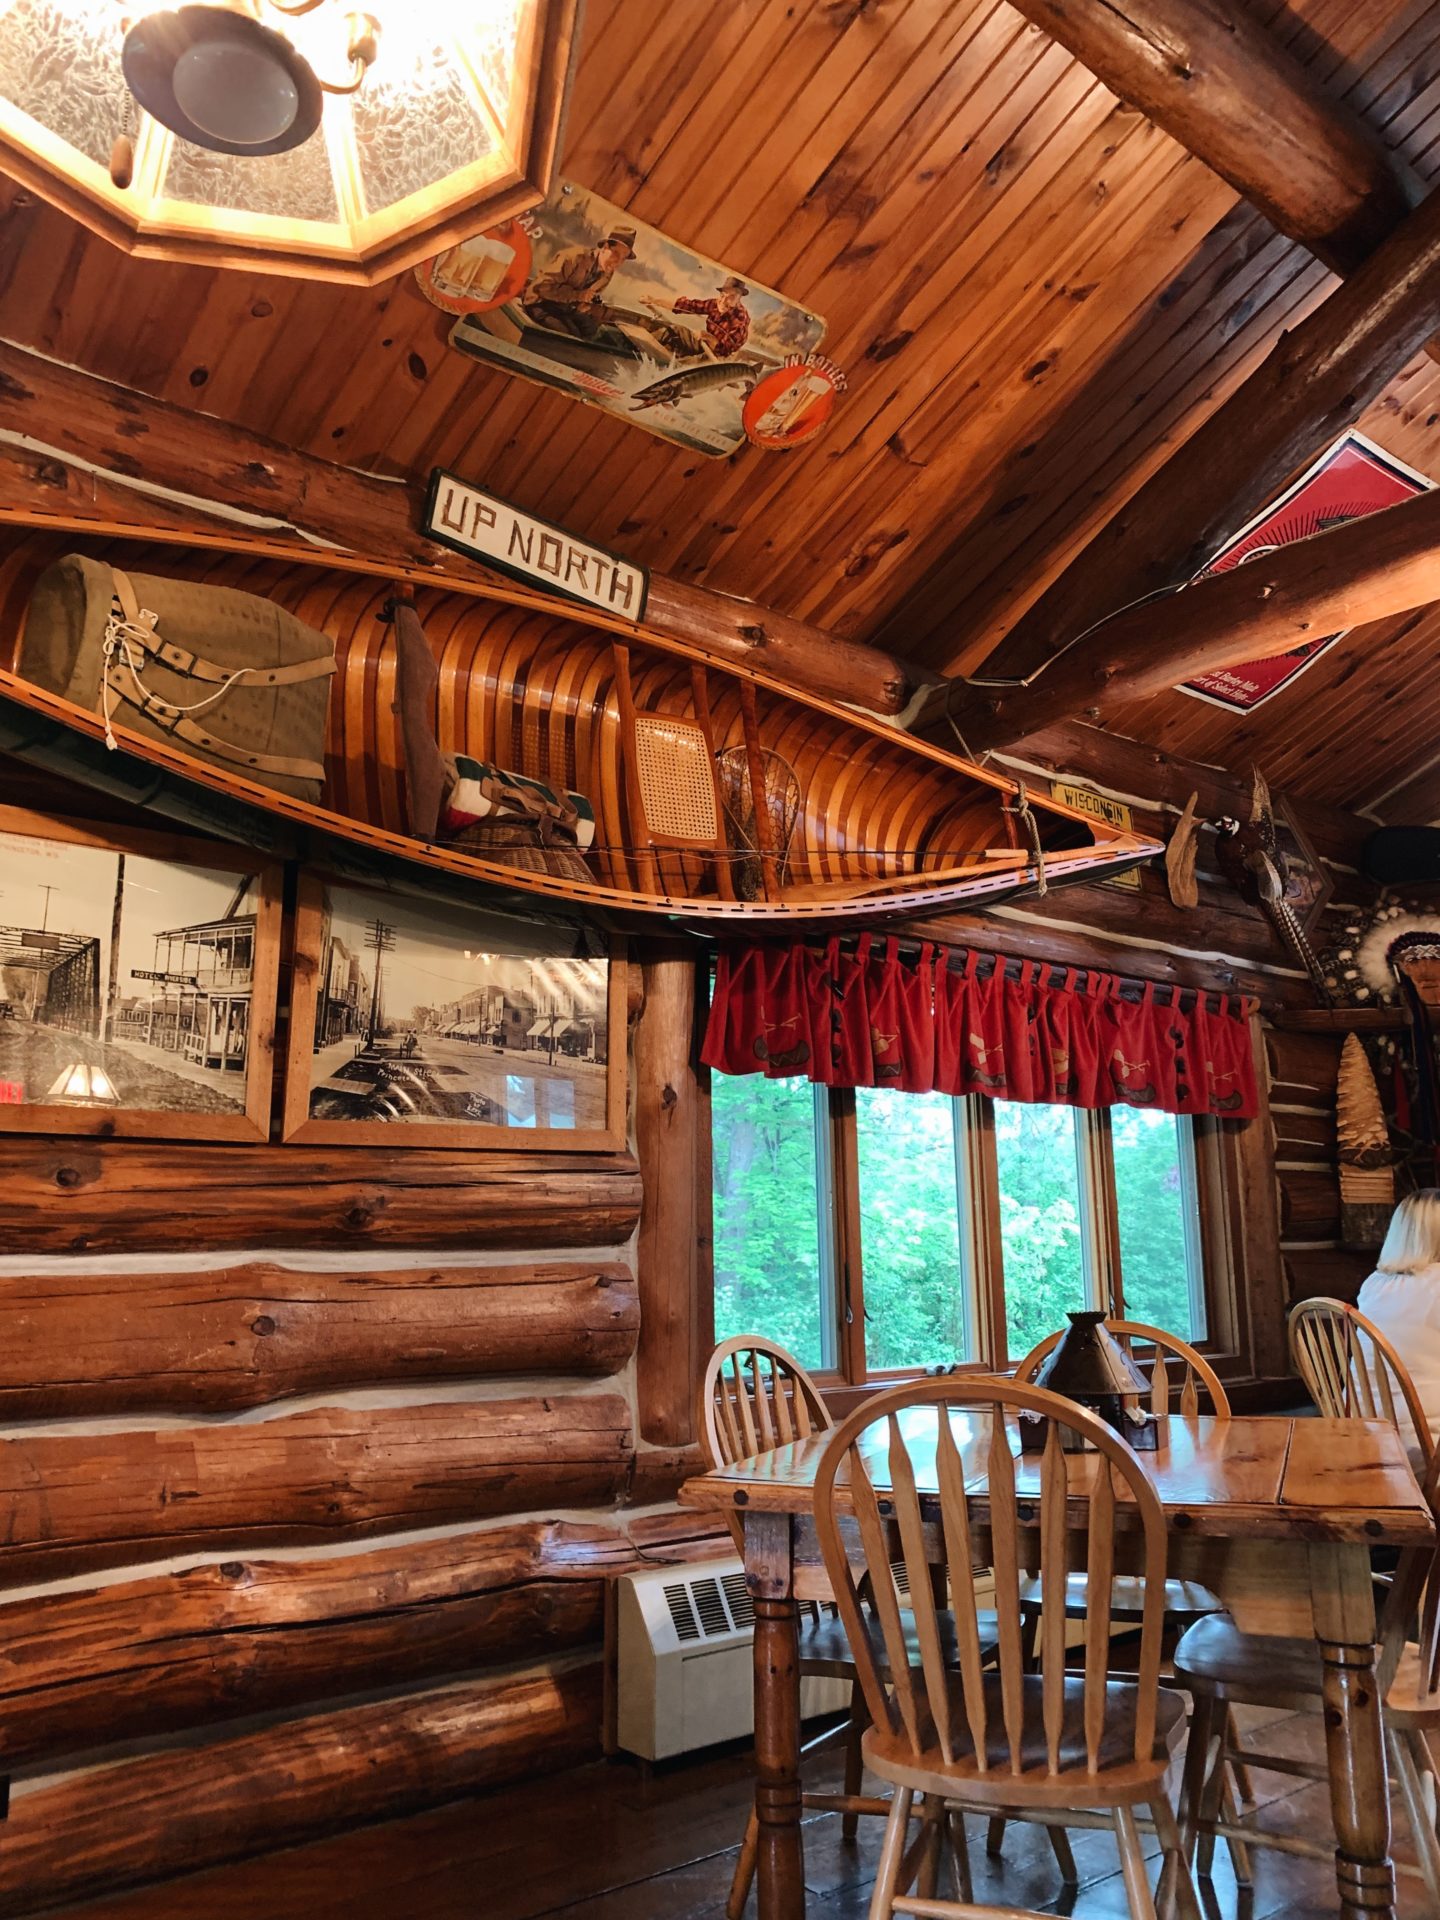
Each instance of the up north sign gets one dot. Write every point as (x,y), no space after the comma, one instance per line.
(484,527)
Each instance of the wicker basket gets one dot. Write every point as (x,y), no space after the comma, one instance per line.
(519,843)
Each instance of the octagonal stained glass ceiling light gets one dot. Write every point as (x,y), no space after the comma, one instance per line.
(324,141)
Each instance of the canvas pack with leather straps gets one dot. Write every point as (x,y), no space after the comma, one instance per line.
(227,677)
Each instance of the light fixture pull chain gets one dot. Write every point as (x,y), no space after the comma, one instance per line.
(122,154)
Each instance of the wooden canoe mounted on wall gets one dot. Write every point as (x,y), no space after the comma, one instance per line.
(871,823)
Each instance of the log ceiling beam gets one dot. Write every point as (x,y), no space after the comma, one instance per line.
(1231,94)
(75,446)
(1313,384)
(1388,563)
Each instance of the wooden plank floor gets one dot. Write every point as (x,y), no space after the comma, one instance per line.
(611,1843)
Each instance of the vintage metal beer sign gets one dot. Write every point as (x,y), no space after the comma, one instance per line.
(583,298)
(1349,480)
(484,527)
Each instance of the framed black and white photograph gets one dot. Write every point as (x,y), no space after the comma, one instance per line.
(138,979)
(421,1025)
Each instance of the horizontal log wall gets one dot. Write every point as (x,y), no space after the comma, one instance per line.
(222,1640)
(455,1336)
(111,1827)
(108,1196)
(218,1341)
(332,1474)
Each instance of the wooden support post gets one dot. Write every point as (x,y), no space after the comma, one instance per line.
(1313,384)
(673,1268)
(1342,1595)
(780,1853)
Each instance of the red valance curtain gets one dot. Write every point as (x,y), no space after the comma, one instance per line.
(962,1022)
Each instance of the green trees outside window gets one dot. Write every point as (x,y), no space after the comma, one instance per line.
(917,1300)
(962,1214)
(773,1232)
(1047,1255)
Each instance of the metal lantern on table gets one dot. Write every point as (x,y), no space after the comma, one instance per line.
(1090,1367)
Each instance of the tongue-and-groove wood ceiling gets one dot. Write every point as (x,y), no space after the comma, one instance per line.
(1036,295)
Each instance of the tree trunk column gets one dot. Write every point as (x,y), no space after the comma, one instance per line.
(672,1139)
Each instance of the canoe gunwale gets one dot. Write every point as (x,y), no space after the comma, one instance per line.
(49,731)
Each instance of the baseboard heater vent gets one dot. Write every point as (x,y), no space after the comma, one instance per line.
(684,1653)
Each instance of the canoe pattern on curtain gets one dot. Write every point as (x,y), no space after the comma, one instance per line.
(960,1022)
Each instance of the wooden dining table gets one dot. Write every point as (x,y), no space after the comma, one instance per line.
(1276,1515)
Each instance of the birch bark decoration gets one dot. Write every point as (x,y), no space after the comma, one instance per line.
(1367,1177)
(1180,853)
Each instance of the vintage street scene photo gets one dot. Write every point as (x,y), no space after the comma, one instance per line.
(425,1013)
(617,314)
(125,982)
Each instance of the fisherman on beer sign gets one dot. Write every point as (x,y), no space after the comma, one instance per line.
(727,324)
(567,297)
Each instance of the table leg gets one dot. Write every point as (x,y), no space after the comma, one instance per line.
(1344,1606)
(780,1858)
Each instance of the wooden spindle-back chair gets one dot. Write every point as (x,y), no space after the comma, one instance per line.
(756,1396)
(1012,1739)
(1353,1373)
(1186,1601)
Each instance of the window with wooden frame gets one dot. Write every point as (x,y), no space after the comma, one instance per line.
(877,1232)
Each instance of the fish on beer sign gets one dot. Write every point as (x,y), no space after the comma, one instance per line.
(484,527)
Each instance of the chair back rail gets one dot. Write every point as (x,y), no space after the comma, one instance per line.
(1195,1371)
(937,1529)
(1351,1370)
(755,1396)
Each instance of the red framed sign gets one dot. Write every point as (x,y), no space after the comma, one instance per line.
(1349,480)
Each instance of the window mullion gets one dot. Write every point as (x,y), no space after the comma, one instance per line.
(967,1263)
(1100,1222)
(845,1302)
(827,1233)
(983,1262)
(1195,1265)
